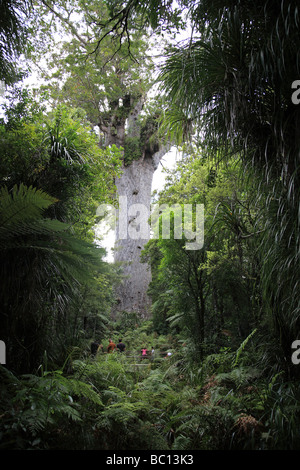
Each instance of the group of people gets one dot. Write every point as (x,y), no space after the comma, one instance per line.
(112,346)
(96,347)
(120,346)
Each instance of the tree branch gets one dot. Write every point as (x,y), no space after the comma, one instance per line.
(67,22)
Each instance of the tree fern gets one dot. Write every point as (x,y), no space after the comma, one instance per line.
(42,267)
(21,210)
(22,225)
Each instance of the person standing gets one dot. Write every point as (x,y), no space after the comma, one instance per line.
(152,353)
(111,346)
(144,353)
(121,346)
(94,348)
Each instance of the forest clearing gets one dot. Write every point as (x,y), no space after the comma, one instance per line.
(203,287)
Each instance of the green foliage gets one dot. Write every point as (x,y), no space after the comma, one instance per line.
(52,172)
(229,312)
(107,371)
(58,153)
(41,270)
(90,74)
(280,402)
(242,347)
(210,291)
(132,150)
(234,75)
(37,403)
(13,37)
(19,208)
(102,403)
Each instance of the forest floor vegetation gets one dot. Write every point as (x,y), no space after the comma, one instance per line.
(120,401)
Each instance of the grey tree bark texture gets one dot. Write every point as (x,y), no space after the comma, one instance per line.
(134,186)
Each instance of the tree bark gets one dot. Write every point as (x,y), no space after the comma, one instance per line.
(134,186)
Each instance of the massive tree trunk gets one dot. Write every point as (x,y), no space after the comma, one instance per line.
(134,186)
(141,158)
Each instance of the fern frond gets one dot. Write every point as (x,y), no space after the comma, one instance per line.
(22,203)
(242,347)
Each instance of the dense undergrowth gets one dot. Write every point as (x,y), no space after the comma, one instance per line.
(120,402)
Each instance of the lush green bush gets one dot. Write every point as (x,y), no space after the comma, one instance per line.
(120,402)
